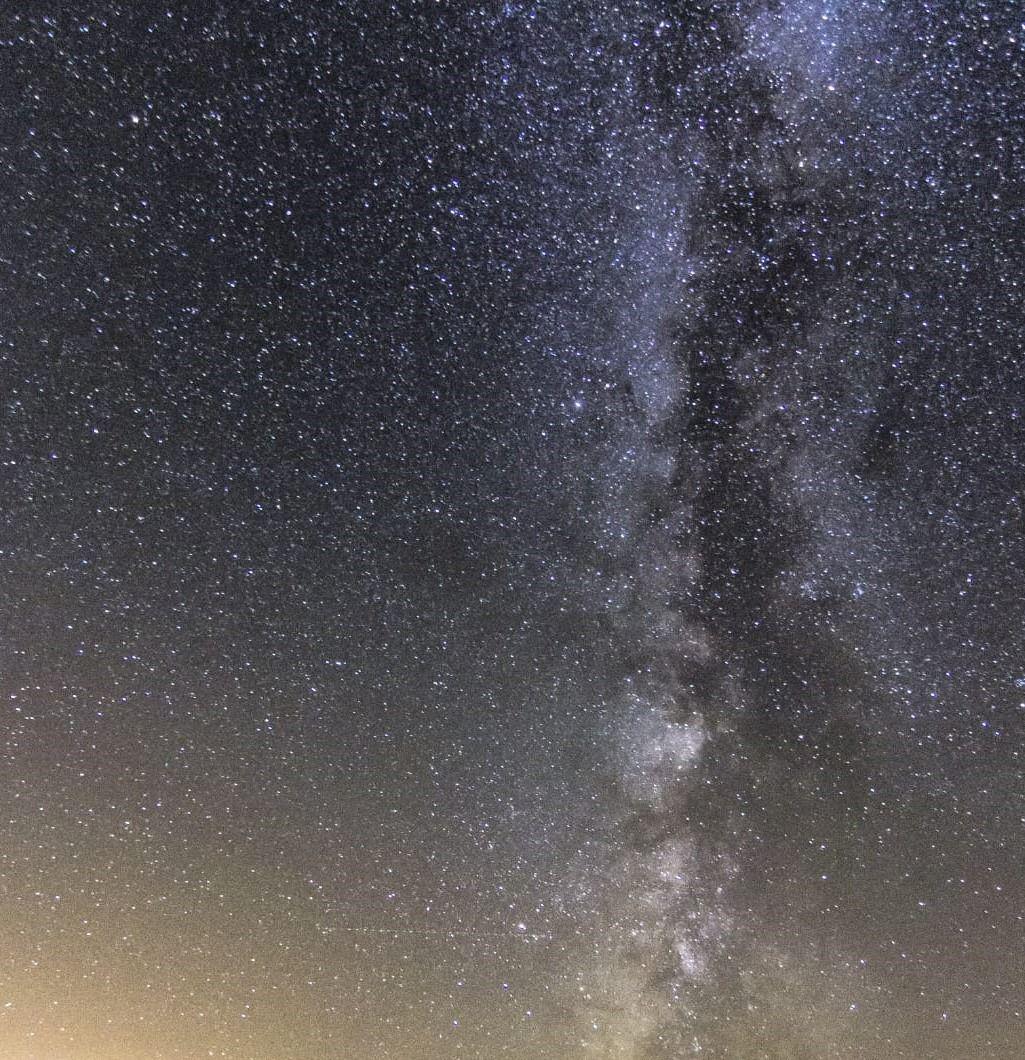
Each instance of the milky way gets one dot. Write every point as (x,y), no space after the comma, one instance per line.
(513,535)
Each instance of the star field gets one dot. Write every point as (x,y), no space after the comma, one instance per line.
(512,538)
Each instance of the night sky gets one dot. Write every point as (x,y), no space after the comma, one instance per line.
(511,540)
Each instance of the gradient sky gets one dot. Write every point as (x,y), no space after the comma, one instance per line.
(512,531)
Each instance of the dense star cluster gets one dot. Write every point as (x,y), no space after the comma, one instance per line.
(513,530)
